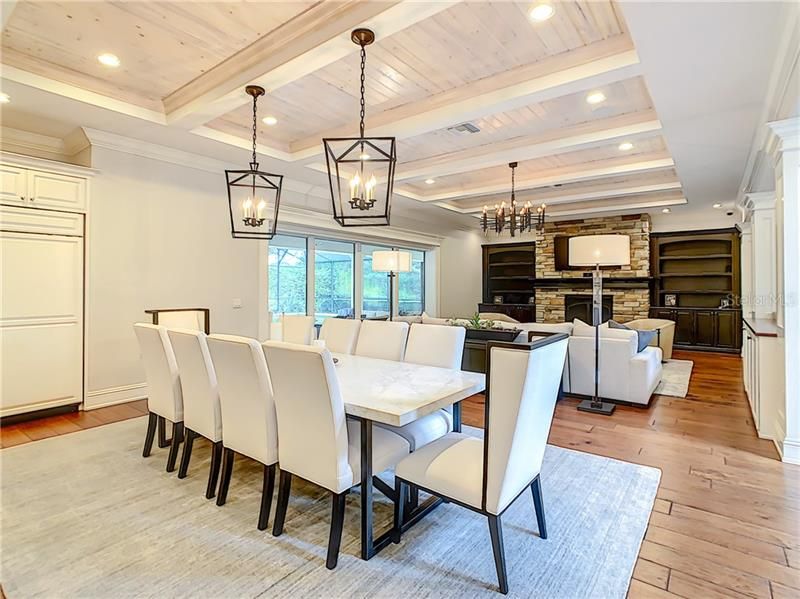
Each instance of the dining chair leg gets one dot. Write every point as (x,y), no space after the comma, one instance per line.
(152,422)
(337,524)
(227,470)
(413,497)
(538,505)
(213,471)
(267,488)
(177,437)
(284,489)
(400,489)
(496,532)
(187,453)
(162,432)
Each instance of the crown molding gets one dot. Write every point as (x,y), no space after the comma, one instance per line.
(785,136)
(304,221)
(146,149)
(57,166)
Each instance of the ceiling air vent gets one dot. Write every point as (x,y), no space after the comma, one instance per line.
(464,128)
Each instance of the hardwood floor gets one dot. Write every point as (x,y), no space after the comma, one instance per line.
(726,521)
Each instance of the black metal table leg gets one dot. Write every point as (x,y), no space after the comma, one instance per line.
(367,546)
(457,417)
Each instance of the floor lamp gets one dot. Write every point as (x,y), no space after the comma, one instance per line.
(391,262)
(597,251)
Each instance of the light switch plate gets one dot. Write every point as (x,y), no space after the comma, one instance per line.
(237,302)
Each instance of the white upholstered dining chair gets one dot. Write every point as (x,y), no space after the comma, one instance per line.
(297,329)
(248,412)
(201,409)
(382,339)
(432,345)
(164,396)
(317,442)
(340,334)
(487,475)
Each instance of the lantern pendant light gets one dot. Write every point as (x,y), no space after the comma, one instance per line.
(254,196)
(361,169)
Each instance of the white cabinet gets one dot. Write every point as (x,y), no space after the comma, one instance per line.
(41,321)
(13,184)
(762,361)
(42,189)
(42,214)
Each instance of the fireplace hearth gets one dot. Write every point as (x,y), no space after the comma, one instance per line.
(580,306)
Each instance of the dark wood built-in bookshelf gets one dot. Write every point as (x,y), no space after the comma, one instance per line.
(696,283)
(509,270)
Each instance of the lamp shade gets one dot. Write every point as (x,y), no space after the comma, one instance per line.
(600,250)
(391,261)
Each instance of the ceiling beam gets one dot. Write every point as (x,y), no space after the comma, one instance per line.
(312,40)
(615,191)
(643,203)
(590,66)
(572,174)
(557,141)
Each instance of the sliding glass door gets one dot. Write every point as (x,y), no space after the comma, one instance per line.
(411,286)
(288,259)
(375,288)
(333,279)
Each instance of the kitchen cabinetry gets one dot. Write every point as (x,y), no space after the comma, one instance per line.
(763,373)
(42,278)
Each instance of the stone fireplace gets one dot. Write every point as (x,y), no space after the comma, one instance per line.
(627,287)
(580,306)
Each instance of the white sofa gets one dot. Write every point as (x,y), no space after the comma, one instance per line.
(625,373)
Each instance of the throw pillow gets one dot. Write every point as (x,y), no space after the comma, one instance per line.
(645,337)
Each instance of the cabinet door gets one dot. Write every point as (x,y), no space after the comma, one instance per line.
(727,329)
(705,328)
(61,192)
(13,184)
(684,327)
(41,321)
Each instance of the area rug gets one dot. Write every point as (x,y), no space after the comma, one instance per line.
(84,515)
(675,375)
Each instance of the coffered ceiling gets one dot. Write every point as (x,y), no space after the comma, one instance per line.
(523,85)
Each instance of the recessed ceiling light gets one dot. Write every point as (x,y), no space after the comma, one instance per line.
(717,205)
(430,181)
(666,210)
(108,60)
(596,98)
(625,146)
(269,120)
(541,11)
(4,98)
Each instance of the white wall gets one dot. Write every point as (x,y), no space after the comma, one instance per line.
(158,237)
(460,279)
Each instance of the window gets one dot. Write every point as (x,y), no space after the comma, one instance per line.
(287,275)
(411,286)
(333,279)
(375,299)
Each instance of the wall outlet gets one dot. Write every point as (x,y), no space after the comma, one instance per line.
(237,302)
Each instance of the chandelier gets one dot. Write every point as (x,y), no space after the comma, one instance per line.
(515,218)
(253,195)
(361,169)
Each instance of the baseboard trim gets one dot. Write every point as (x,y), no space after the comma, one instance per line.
(111,396)
(791,451)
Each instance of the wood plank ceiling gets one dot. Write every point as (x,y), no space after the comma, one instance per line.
(522,84)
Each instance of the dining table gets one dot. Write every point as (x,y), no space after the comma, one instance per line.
(396,393)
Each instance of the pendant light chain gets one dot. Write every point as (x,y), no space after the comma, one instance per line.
(363,104)
(513,172)
(255,128)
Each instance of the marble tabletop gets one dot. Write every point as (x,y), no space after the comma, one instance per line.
(400,392)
